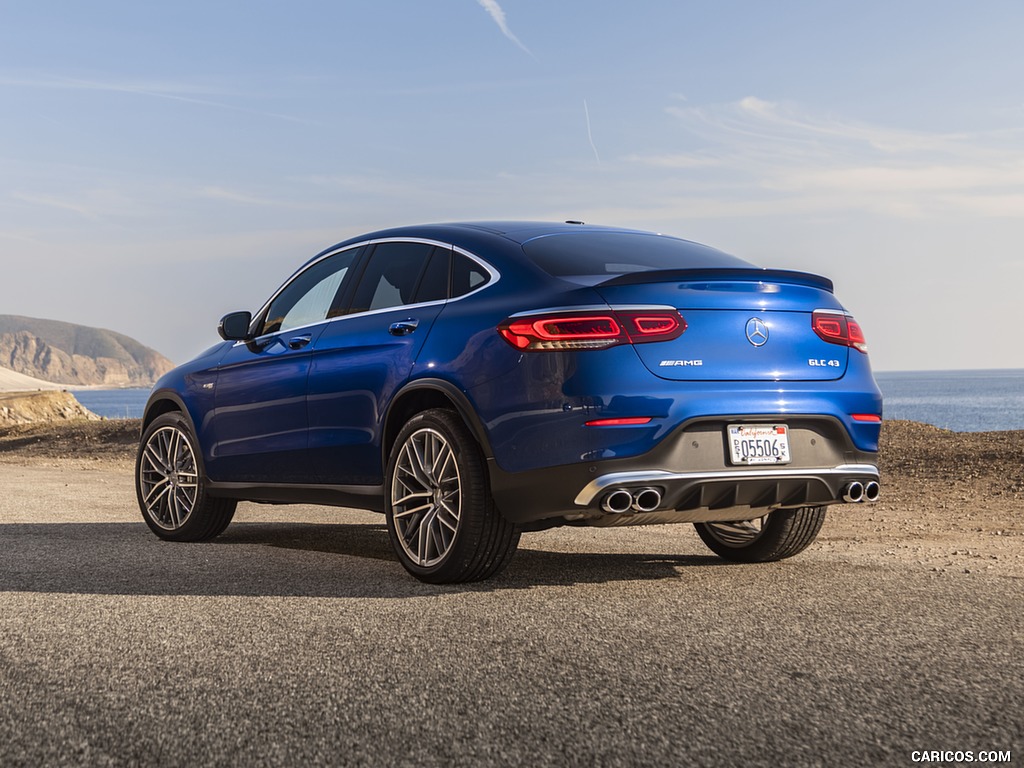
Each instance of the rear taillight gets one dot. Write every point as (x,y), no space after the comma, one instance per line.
(838,328)
(591,330)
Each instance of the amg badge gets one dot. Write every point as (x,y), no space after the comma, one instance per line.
(680,363)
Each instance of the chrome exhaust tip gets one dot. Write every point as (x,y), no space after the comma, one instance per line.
(872,491)
(646,499)
(617,502)
(853,493)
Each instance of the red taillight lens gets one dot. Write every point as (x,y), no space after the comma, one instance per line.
(837,328)
(572,330)
(659,325)
(557,328)
(562,332)
(856,335)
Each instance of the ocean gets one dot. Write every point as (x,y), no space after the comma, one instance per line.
(964,401)
(127,403)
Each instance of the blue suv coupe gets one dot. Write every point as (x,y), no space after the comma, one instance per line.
(476,381)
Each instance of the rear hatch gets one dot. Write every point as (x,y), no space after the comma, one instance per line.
(743,324)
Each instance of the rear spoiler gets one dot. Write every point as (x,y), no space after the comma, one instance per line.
(749,274)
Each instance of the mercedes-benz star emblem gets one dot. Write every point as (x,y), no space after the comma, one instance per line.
(757,332)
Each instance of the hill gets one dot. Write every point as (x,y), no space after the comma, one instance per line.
(69,354)
(10,381)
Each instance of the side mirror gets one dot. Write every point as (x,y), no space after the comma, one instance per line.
(234,326)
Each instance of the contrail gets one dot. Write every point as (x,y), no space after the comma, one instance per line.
(492,7)
(590,135)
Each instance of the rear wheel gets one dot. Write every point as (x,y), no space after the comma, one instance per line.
(171,486)
(778,535)
(441,518)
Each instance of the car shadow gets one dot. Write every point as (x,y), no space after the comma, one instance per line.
(279,559)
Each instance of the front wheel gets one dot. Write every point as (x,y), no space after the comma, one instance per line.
(171,486)
(441,518)
(778,535)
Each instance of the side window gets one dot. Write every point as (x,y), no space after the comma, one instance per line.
(434,283)
(467,275)
(309,297)
(391,276)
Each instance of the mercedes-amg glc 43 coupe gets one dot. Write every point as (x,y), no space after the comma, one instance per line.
(480,380)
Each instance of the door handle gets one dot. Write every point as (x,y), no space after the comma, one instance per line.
(403,327)
(298,342)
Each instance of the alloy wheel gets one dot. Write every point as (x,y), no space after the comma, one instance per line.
(426,497)
(168,478)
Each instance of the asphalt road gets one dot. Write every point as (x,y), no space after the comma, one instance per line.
(297,639)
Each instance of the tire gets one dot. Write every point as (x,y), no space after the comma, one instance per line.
(442,521)
(776,536)
(171,485)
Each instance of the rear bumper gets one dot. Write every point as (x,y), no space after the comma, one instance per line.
(536,415)
(692,477)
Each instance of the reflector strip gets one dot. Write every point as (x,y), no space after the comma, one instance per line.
(873,418)
(623,422)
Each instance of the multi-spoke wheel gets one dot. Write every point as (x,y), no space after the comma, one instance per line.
(170,485)
(779,534)
(441,518)
(426,497)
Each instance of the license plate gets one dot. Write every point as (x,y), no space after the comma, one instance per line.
(759,443)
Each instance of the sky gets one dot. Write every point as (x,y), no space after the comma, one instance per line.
(162,164)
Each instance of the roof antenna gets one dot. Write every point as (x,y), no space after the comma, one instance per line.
(573,222)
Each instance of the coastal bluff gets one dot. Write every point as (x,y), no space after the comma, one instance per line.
(33,407)
(77,355)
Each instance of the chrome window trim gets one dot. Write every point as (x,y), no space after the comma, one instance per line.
(493,273)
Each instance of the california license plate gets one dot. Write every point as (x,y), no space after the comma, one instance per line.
(758,443)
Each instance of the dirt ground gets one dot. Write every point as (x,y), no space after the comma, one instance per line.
(951,502)
(296,637)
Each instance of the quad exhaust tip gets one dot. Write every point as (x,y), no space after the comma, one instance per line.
(856,492)
(872,491)
(853,493)
(646,499)
(621,501)
(617,502)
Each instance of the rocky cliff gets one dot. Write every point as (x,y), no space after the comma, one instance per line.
(70,354)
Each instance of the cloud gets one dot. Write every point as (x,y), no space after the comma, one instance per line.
(50,201)
(182,92)
(496,13)
(782,158)
(234,196)
(95,203)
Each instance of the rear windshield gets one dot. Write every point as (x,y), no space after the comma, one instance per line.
(603,254)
